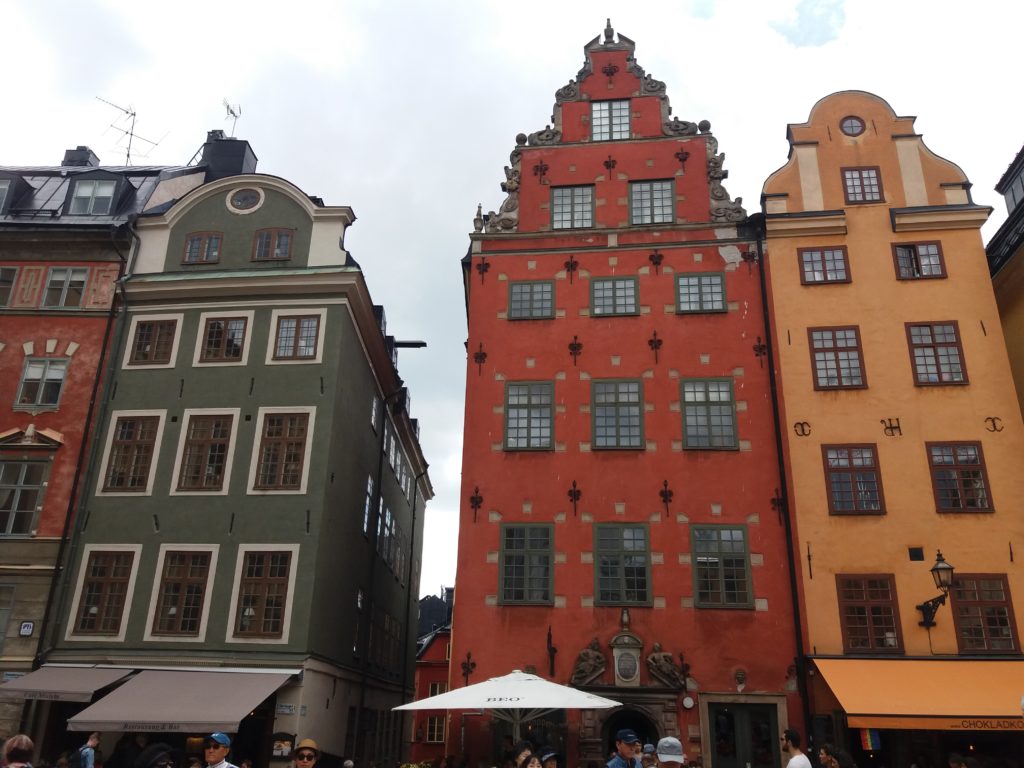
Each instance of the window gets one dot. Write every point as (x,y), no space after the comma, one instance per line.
(272,245)
(7,276)
(223,339)
(368,506)
(851,125)
(936,353)
(526,556)
(282,451)
(868,613)
(374,411)
(700,293)
(853,480)
(651,202)
(202,248)
(179,609)
(297,337)
(959,479)
(623,564)
(983,614)
(91,197)
(205,456)
(21,493)
(918,261)
(609,120)
(862,185)
(531,300)
(436,689)
(617,414)
(65,287)
(709,414)
(835,357)
(613,296)
(41,382)
(131,454)
(104,592)
(262,594)
(153,342)
(823,265)
(722,572)
(572,207)
(528,415)
(5,188)
(436,729)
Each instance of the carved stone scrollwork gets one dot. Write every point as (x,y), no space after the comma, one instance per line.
(542,138)
(723,208)
(590,664)
(677,127)
(570,92)
(507,217)
(662,666)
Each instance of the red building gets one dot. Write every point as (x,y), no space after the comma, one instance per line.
(620,528)
(430,728)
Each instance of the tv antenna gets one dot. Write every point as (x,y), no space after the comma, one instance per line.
(129,115)
(234,112)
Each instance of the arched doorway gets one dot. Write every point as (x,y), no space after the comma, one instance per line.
(628,718)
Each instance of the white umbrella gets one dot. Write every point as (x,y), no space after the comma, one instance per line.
(516,698)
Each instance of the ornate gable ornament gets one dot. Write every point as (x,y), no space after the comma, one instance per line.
(30,437)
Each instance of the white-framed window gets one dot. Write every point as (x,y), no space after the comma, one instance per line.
(103,595)
(281,450)
(41,383)
(22,487)
(153,341)
(65,287)
(130,453)
(296,336)
(223,338)
(92,197)
(262,594)
(179,604)
(609,120)
(206,452)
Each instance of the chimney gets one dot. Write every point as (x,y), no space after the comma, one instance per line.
(226,156)
(80,157)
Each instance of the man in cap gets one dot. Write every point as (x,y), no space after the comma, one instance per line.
(305,754)
(669,752)
(626,745)
(216,747)
(548,758)
(647,757)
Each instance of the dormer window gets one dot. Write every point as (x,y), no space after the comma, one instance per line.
(609,120)
(92,197)
(272,245)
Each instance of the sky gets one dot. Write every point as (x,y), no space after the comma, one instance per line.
(406,110)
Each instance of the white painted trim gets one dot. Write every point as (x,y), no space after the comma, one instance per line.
(272,336)
(243,549)
(188,413)
(254,460)
(69,634)
(161,415)
(154,597)
(203,317)
(179,320)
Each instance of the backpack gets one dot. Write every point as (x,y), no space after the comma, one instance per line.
(75,759)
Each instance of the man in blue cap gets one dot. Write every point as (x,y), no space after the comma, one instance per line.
(215,749)
(626,745)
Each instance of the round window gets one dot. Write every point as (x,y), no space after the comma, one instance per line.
(244,199)
(852,125)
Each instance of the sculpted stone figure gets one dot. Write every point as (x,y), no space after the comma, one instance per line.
(589,664)
(508,215)
(662,666)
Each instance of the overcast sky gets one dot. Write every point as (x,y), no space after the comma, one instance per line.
(407,112)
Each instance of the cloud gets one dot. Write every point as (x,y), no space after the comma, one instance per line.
(817,22)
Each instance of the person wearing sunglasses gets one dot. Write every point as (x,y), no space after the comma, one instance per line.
(305,754)
(216,747)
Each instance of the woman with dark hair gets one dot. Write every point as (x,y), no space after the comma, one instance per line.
(835,758)
(532,760)
(522,750)
(18,751)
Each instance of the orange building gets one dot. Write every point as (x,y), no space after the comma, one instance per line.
(902,437)
(620,530)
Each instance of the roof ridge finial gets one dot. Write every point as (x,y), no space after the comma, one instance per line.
(609,33)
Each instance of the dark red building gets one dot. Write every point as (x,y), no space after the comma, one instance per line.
(430,728)
(620,530)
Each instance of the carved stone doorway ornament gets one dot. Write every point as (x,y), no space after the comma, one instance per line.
(590,664)
(626,650)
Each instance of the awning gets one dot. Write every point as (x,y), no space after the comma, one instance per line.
(940,694)
(179,702)
(56,683)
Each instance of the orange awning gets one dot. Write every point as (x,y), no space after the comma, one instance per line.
(939,694)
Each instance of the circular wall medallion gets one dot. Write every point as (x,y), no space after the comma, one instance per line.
(627,666)
(245,200)
(851,125)
(687,702)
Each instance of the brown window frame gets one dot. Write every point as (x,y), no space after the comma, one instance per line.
(958,621)
(198,451)
(161,344)
(933,469)
(220,350)
(205,239)
(124,453)
(935,346)
(860,169)
(821,250)
(189,587)
(259,587)
(916,245)
(294,355)
(851,471)
(868,603)
(835,352)
(97,592)
(285,443)
(274,233)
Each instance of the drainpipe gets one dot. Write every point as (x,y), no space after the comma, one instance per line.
(758,222)
(408,594)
